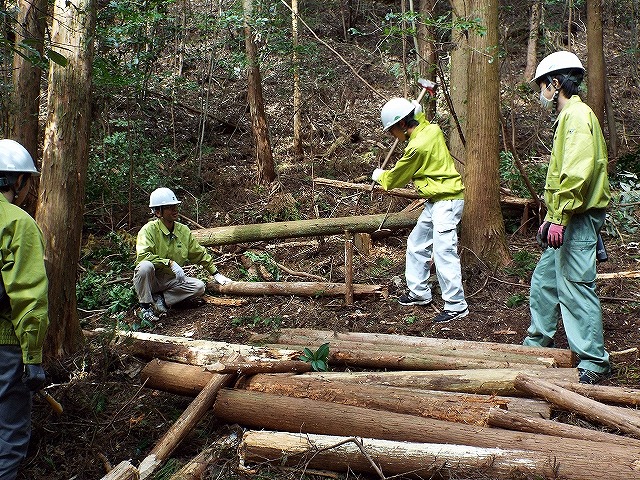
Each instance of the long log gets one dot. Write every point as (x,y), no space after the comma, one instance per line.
(574,402)
(511,420)
(571,458)
(468,408)
(251,368)
(303,289)
(354,355)
(296,336)
(496,358)
(183,425)
(233,234)
(605,393)
(482,381)
(404,459)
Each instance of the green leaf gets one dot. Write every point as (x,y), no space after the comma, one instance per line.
(308,353)
(55,57)
(323,352)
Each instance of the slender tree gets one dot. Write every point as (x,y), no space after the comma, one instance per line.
(532,44)
(482,223)
(64,166)
(427,54)
(458,79)
(595,59)
(297,95)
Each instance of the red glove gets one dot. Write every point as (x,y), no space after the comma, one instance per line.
(555,237)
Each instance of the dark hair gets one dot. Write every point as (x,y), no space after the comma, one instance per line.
(569,81)
(410,121)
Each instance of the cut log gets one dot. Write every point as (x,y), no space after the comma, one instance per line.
(185,423)
(481,381)
(574,402)
(456,407)
(196,467)
(123,471)
(609,276)
(563,358)
(525,423)
(604,393)
(404,459)
(571,458)
(302,289)
(233,234)
(496,359)
(251,368)
(368,356)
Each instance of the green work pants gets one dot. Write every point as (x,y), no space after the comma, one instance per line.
(563,283)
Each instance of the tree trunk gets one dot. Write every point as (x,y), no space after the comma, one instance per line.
(532,44)
(526,423)
(64,167)
(297,95)
(306,289)
(595,61)
(427,55)
(459,83)
(574,402)
(232,234)
(562,358)
(569,458)
(264,157)
(482,226)
(403,459)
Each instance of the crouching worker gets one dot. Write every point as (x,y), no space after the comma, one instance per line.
(163,247)
(24,305)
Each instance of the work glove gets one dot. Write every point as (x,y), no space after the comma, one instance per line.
(555,237)
(541,236)
(177,271)
(33,377)
(221,279)
(418,108)
(377,173)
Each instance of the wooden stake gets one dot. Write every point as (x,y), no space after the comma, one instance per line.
(348,267)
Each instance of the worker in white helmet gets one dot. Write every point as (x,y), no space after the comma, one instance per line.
(576,195)
(428,164)
(24,305)
(163,247)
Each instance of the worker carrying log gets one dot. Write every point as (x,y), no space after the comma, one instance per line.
(163,247)
(576,194)
(428,164)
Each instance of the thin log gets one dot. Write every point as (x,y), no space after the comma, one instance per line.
(604,393)
(354,355)
(570,458)
(627,274)
(304,289)
(123,471)
(525,423)
(196,467)
(396,192)
(348,268)
(563,358)
(252,368)
(185,423)
(404,459)
(574,402)
(233,234)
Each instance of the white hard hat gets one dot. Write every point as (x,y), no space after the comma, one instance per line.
(14,158)
(161,197)
(395,110)
(555,62)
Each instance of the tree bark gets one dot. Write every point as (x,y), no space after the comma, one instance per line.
(604,393)
(570,458)
(459,83)
(297,95)
(232,234)
(562,358)
(64,167)
(403,459)
(242,367)
(305,289)
(264,156)
(532,44)
(574,402)
(595,60)
(427,54)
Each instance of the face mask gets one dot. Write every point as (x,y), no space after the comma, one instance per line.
(544,101)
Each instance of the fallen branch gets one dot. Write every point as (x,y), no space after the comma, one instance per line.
(300,274)
(305,289)
(610,276)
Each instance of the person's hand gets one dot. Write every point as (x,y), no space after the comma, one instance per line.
(555,237)
(177,271)
(418,108)
(377,173)
(221,279)
(33,377)
(543,232)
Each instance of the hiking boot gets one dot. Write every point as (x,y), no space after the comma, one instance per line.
(409,299)
(159,306)
(147,317)
(448,315)
(590,377)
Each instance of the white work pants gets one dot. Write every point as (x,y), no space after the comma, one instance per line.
(436,233)
(147,282)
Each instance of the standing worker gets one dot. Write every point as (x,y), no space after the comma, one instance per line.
(24,307)
(428,164)
(576,195)
(163,246)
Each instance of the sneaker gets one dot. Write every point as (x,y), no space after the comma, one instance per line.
(590,377)
(159,305)
(408,299)
(147,317)
(448,315)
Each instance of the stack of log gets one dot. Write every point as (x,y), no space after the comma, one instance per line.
(396,405)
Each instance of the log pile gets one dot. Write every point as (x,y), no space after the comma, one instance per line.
(415,406)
